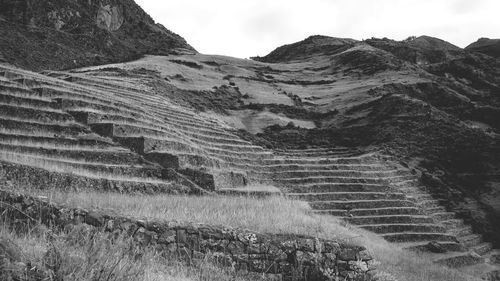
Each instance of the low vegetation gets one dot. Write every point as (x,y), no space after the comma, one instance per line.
(254,214)
(82,255)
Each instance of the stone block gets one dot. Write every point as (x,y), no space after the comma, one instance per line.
(202,179)
(166,160)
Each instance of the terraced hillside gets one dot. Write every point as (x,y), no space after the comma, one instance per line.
(88,130)
(376,193)
(151,130)
(42,144)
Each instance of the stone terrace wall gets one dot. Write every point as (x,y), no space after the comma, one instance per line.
(284,257)
(32,177)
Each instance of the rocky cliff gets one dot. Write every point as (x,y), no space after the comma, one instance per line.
(62,34)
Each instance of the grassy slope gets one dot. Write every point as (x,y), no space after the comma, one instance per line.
(88,256)
(251,213)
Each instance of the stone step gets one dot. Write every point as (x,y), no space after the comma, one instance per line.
(245,153)
(71,98)
(25,81)
(400,228)
(333,196)
(431,203)
(416,237)
(210,180)
(329,173)
(117,89)
(249,192)
(339,187)
(411,182)
(426,246)
(83,168)
(363,159)
(389,219)
(326,154)
(457,260)
(471,240)
(9,74)
(93,117)
(77,105)
(453,223)
(144,144)
(434,209)
(419,197)
(41,128)
(372,212)
(88,142)
(117,157)
(314,149)
(340,179)
(443,216)
(26,100)
(8,83)
(483,249)
(128,130)
(40,115)
(31,176)
(360,204)
(154,104)
(9,87)
(326,167)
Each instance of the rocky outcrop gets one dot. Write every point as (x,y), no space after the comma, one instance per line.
(61,34)
(285,257)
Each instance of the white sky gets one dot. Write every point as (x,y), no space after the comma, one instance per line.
(255,27)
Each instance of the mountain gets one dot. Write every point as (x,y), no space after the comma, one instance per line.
(433,105)
(61,34)
(490,47)
(401,138)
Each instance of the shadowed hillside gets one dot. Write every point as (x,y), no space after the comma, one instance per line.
(61,34)
(486,46)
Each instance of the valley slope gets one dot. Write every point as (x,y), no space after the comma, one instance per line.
(401,138)
(430,104)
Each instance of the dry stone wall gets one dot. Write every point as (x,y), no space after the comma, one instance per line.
(32,177)
(281,257)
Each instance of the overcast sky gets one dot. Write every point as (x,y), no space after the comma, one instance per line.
(242,28)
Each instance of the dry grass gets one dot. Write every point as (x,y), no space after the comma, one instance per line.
(73,167)
(89,256)
(265,215)
(58,146)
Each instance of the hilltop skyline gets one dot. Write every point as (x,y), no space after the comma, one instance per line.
(258,27)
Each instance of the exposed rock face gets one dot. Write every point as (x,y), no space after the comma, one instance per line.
(65,34)
(109,18)
(490,47)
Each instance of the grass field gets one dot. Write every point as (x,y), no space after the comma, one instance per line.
(265,215)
